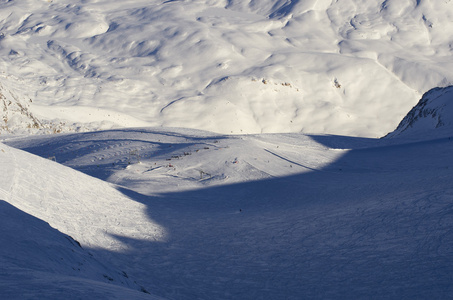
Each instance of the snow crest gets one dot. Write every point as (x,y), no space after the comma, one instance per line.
(433,116)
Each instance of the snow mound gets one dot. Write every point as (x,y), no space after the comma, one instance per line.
(431,117)
(58,186)
(93,212)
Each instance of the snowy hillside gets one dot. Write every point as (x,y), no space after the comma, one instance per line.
(39,260)
(226,149)
(431,117)
(239,66)
(202,215)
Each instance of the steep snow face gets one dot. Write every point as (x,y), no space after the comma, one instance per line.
(39,200)
(433,116)
(238,66)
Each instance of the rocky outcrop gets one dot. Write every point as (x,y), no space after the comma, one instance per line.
(15,113)
(433,116)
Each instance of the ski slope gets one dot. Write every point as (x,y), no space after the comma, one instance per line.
(343,67)
(271,216)
(226,149)
(38,260)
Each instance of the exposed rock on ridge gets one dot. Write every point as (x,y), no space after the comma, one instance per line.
(433,111)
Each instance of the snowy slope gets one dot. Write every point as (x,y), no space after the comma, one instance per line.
(272,216)
(209,208)
(431,117)
(40,260)
(339,67)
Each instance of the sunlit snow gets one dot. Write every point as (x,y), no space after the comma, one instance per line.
(226,149)
(339,67)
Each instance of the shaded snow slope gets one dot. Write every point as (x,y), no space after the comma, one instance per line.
(344,67)
(431,117)
(34,253)
(39,262)
(272,216)
(156,160)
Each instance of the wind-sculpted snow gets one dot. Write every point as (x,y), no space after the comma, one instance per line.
(239,66)
(74,196)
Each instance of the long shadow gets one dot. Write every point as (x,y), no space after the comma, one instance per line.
(39,261)
(376,223)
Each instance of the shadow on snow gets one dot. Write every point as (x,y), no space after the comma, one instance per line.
(376,223)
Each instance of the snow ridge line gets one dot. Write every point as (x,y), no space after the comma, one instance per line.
(6,192)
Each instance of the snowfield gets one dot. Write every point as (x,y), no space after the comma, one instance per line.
(191,214)
(340,67)
(226,149)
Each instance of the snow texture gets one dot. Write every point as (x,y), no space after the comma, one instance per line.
(433,114)
(249,217)
(226,149)
(339,67)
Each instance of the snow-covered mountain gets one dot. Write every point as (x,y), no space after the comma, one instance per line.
(431,117)
(272,184)
(340,67)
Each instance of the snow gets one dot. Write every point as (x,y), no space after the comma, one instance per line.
(345,67)
(271,215)
(430,117)
(40,262)
(226,149)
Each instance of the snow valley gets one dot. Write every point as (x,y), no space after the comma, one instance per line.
(275,183)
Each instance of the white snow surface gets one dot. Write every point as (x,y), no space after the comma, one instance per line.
(39,261)
(197,215)
(239,66)
(433,115)
(226,149)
